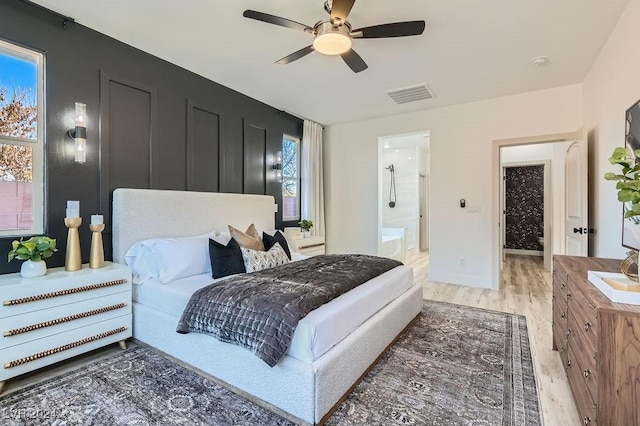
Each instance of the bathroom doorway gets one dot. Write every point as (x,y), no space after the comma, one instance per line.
(527,211)
(403,195)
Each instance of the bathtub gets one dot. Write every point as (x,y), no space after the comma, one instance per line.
(393,243)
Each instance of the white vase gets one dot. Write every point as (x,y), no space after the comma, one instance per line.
(306,234)
(31,269)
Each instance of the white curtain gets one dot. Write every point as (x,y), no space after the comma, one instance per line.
(312,177)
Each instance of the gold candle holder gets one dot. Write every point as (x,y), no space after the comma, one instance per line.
(73,257)
(96,256)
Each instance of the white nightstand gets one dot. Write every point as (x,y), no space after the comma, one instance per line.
(61,314)
(311,246)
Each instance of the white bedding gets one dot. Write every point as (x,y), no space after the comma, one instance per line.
(315,334)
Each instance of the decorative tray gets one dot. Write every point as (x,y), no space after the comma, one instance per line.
(616,286)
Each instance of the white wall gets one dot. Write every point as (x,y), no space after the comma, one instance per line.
(461,141)
(612,86)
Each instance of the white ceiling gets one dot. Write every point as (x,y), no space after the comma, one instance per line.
(471,50)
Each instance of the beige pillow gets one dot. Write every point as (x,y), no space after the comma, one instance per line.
(249,239)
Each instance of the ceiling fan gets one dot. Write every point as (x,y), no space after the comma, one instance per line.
(334,36)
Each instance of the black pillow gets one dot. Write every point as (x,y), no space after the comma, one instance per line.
(225,260)
(270,240)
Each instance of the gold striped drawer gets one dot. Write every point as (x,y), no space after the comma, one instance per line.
(19,359)
(33,298)
(36,325)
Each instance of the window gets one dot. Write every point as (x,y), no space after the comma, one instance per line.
(290,179)
(21,141)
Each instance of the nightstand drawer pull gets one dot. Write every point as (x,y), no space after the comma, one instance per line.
(66,347)
(62,292)
(563,315)
(587,326)
(586,373)
(62,320)
(587,420)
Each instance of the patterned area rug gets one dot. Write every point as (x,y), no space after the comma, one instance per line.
(454,366)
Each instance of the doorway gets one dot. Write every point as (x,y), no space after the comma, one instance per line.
(528,207)
(403,194)
(532,149)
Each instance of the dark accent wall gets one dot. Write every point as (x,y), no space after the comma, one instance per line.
(524,205)
(150,124)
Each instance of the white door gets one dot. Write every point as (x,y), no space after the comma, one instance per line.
(576,200)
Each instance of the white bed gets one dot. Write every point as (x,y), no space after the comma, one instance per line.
(316,372)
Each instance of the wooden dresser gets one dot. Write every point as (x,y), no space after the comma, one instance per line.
(599,343)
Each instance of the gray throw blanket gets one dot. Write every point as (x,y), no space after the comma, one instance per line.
(259,311)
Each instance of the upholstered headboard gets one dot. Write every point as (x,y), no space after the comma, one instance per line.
(140,214)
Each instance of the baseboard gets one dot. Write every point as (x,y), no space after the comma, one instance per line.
(524,252)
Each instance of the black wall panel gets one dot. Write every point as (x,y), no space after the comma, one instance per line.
(128,133)
(203,144)
(145,143)
(255,143)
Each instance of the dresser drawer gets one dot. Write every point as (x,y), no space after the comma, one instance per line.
(586,406)
(29,326)
(40,295)
(584,359)
(586,317)
(20,359)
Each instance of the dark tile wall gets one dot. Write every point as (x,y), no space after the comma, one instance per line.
(524,205)
(197,134)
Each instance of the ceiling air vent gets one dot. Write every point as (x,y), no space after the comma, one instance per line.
(411,94)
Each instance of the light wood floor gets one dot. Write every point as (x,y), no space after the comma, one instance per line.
(526,289)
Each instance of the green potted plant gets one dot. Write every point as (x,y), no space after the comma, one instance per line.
(306,226)
(628,186)
(33,251)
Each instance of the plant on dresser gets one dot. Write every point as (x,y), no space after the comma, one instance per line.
(62,314)
(598,341)
(33,251)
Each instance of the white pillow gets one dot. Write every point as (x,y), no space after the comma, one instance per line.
(257,260)
(169,259)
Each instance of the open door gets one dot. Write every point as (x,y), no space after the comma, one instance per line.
(576,200)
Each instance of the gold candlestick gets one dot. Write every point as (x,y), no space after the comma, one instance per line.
(96,256)
(73,258)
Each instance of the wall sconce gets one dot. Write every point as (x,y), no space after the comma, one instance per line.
(277,166)
(79,133)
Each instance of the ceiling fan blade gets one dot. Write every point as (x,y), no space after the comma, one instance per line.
(396,29)
(340,10)
(354,61)
(296,55)
(276,20)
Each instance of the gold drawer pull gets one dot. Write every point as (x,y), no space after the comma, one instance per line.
(587,420)
(68,346)
(63,292)
(587,326)
(586,373)
(62,320)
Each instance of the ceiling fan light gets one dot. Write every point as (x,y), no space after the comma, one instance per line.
(332,43)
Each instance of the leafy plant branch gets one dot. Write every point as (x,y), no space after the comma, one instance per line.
(628,185)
